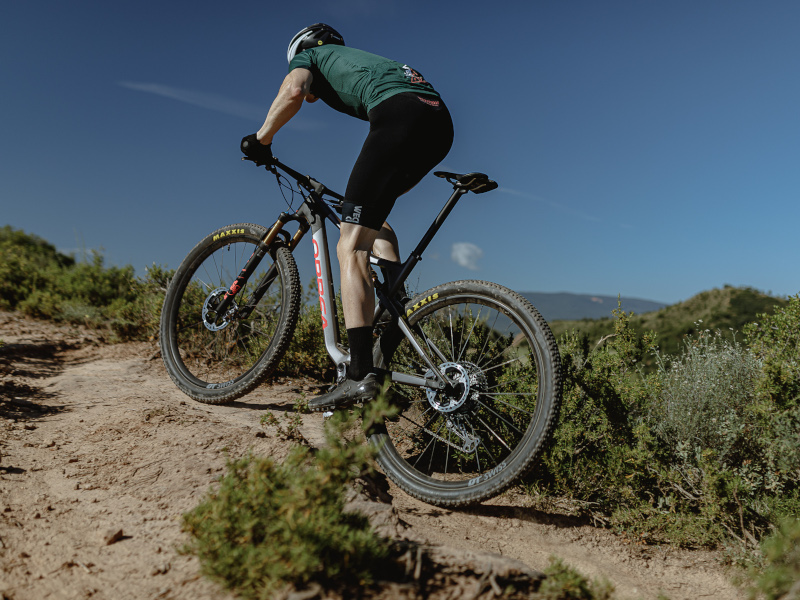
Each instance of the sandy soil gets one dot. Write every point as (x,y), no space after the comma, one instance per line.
(100,455)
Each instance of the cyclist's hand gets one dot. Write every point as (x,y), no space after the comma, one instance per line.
(256,151)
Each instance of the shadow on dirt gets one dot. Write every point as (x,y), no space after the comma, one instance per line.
(528,514)
(283,407)
(21,368)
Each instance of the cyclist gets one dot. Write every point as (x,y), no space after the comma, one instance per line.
(410,132)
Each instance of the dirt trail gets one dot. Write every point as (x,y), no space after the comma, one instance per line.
(100,455)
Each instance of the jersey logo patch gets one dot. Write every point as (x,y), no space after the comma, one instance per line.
(412,75)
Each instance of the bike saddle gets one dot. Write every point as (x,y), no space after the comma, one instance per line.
(473,182)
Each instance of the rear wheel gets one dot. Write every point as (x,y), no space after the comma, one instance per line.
(218,358)
(469,442)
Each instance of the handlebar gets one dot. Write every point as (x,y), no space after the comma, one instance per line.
(305,181)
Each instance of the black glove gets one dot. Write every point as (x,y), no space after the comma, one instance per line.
(256,151)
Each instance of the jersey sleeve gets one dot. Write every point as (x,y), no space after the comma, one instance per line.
(301,60)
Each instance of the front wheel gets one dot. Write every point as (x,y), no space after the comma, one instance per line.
(473,440)
(216,358)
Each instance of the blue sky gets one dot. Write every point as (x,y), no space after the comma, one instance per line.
(648,149)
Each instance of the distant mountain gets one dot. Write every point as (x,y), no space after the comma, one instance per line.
(726,309)
(562,306)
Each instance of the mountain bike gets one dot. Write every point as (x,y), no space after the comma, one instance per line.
(474,368)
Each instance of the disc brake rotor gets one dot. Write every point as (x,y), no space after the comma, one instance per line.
(456,402)
(209,306)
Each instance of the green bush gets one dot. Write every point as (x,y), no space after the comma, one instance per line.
(26,264)
(565,583)
(594,451)
(780,575)
(269,525)
(696,453)
(41,282)
(713,468)
(725,309)
(776,341)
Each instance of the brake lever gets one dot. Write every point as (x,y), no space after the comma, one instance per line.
(269,167)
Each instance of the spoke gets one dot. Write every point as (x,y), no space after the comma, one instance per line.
(433,453)
(446,458)
(508,362)
(486,343)
(495,434)
(413,422)
(433,439)
(444,337)
(216,266)
(493,394)
(469,336)
(501,417)
(507,382)
(463,320)
(477,459)
(489,361)
(208,286)
(489,452)
(452,342)
(514,406)
(189,326)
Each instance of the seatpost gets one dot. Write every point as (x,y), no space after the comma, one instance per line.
(416,254)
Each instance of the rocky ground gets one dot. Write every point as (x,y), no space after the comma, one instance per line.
(100,455)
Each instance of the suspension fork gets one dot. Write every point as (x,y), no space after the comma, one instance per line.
(265,245)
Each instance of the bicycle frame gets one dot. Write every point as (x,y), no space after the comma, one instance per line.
(312,215)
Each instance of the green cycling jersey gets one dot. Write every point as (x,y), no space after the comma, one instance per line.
(354,82)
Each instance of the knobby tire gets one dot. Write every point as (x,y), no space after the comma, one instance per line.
(218,366)
(470,444)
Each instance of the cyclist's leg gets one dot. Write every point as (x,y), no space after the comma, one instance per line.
(386,245)
(358,298)
(358,303)
(407,139)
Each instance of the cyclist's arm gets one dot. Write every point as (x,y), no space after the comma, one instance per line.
(294,89)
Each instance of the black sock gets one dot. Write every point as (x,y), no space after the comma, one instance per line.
(360,339)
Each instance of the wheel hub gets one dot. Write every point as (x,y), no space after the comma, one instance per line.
(469,382)
(210,306)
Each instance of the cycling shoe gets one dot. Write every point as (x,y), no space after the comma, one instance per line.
(346,394)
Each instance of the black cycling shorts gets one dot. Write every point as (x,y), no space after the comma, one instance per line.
(409,134)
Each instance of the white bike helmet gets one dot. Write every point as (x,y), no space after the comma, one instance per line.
(311,37)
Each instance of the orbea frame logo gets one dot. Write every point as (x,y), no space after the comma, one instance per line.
(320,285)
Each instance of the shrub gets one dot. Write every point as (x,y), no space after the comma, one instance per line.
(780,576)
(692,453)
(269,525)
(26,264)
(565,583)
(43,283)
(776,341)
(593,454)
